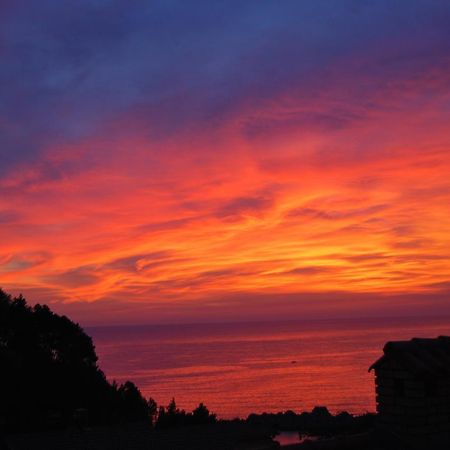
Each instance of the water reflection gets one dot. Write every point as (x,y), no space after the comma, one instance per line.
(237,369)
(292,437)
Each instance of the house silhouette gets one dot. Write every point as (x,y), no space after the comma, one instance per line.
(413,393)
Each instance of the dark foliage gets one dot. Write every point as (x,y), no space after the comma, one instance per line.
(318,422)
(49,375)
(172,417)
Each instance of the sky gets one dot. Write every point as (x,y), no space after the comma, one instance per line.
(174,161)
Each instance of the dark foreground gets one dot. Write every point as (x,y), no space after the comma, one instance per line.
(219,436)
(255,433)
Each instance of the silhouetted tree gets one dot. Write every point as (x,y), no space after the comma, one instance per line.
(201,415)
(173,417)
(49,372)
(134,405)
(172,409)
(152,411)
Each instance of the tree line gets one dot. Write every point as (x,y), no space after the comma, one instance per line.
(50,378)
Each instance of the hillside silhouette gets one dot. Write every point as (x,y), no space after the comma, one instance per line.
(50,378)
(49,373)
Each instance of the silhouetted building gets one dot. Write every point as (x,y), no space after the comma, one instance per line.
(413,392)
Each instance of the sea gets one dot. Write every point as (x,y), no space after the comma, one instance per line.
(236,369)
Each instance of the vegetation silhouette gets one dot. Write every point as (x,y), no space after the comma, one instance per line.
(50,378)
(172,417)
(319,421)
(49,374)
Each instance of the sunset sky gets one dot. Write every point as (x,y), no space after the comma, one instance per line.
(173,160)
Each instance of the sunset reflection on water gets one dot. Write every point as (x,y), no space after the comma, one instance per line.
(237,369)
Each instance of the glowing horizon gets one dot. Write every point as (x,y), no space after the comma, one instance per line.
(224,171)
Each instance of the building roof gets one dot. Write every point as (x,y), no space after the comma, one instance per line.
(422,357)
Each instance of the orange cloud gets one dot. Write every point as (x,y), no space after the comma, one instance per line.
(304,194)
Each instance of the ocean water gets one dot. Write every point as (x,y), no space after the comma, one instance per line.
(240,368)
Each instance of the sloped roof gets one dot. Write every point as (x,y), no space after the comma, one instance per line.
(422,357)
